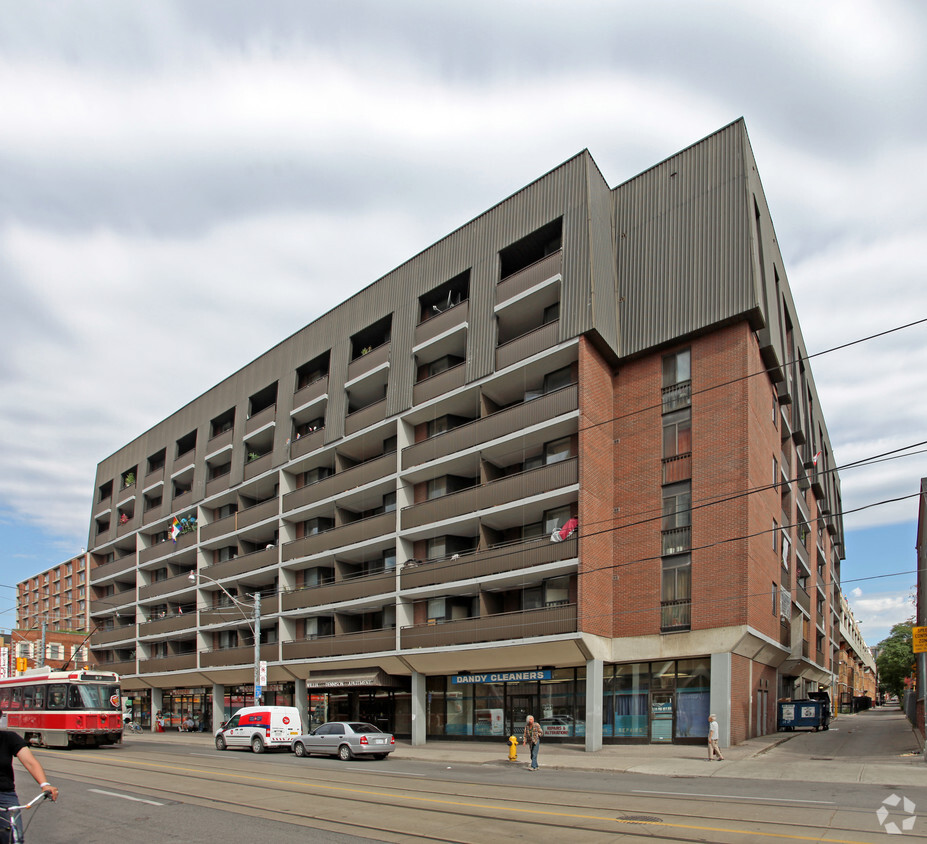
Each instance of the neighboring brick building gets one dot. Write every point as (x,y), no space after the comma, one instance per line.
(856,674)
(391,480)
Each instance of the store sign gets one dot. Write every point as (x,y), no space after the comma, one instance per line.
(919,639)
(4,663)
(501,677)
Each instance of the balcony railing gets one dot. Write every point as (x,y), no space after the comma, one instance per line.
(538,481)
(306,443)
(237,656)
(164,587)
(242,564)
(258,466)
(351,589)
(102,605)
(219,441)
(261,418)
(362,473)
(121,667)
(499,424)
(677,540)
(312,391)
(548,621)
(243,614)
(366,416)
(526,278)
(438,324)
(678,468)
(116,634)
(675,615)
(110,569)
(478,564)
(177,662)
(438,385)
(529,344)
(677,396)
(365,363)
(362,642)
(338,537)
(168,624)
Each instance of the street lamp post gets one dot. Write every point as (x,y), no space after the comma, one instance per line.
(255,627)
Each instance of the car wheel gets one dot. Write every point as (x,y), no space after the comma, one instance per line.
(220,743)
(300,749)
(344,753)
(257,744)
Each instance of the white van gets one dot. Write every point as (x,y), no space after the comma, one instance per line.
(260,728)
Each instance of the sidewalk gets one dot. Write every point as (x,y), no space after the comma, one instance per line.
(831,756)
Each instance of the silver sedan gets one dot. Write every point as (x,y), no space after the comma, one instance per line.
(345,739)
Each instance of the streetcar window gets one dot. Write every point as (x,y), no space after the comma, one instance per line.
(94,696)
(113,694)
(57,695)
(74,701)
(16,699)
(4,699)
(28,697)
(40,697)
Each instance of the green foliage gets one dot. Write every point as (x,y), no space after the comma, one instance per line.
(896,659)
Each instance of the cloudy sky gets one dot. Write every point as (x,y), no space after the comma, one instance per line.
(182,185)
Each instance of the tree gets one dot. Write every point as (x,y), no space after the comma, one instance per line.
(896,659)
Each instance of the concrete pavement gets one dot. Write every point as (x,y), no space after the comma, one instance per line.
(874,747)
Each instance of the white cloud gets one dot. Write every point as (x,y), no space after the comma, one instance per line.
(857,592)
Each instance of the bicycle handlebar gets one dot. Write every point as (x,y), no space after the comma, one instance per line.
(42,795)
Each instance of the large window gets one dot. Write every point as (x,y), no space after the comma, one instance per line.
(676,593)
(677,433)
(677,517)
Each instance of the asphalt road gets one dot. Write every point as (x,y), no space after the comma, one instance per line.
(161,791)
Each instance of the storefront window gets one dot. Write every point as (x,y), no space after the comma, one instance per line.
(627,701)
(434,706)
(693,692)
(460,711)
(489,705)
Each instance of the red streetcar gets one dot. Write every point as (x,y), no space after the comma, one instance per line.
(63,708)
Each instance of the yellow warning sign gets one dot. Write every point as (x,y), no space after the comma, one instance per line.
(919,639)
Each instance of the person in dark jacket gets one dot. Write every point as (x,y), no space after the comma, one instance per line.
(12,746)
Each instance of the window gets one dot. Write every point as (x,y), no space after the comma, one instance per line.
(775,598)
(230,552)
(677,506)
(222,423)
(186,444)
(551,593)
(677,392)
(106,491)
(676,593)
(226,510)
(786,550)
(312,371)
(320,524)
(551,313)
(444,363)
(677,433)
(156,461)
(558,379)
(557,450)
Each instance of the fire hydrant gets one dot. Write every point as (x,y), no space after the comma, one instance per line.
(513,749)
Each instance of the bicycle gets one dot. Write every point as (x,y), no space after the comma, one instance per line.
(133,726)
(11,822)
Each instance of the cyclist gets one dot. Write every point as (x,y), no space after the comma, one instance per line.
(12,746)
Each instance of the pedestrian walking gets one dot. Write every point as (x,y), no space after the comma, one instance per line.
(714,733)
(532,736)
(12,746)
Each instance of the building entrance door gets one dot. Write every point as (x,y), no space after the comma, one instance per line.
(520,707)
(661,717)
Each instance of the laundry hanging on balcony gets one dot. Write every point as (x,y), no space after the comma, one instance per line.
(566,531)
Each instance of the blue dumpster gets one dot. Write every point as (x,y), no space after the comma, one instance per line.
(800,714)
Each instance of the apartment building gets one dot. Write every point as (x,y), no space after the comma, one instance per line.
(56,598)
(855,673)
(568,461)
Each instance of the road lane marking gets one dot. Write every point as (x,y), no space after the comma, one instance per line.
(387,773)
(436,801)
(732,797)
(126,797)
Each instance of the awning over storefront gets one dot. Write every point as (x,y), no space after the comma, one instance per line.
(351,679)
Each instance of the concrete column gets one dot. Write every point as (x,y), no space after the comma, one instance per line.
(218,705)
(419,709)
(720,696)
(301,702)
(594,695)
(156,699)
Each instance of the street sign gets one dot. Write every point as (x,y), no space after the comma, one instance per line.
(262,672)
(919,639)
(258,692)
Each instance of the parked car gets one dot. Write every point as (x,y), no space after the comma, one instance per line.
(260,728)
(345,739)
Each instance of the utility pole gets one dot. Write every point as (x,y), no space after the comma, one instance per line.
(41,660)
(257,649)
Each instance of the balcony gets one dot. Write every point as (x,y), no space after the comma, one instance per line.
(131,524)
(367,363)
(438,385)
(219,441)
(107,603)
(348,534)
(258,466)
(528,345)
(479,564)
(164,587)
(356,476)
(242,564)
(677,396)
(306,443)
(548,621)
(110,569)
(237,656)
(122,667)
(270,605)
(675,615)
(260,419)
(438,324)
(169,624)
(177,662)
(365,417)
(311,392)
(503,491)
(677,540)
(678,468)
(116,634)
(532,275)
(351,589)
(182,501)
(508,421)
(803,599)
(219,483)
(362,642)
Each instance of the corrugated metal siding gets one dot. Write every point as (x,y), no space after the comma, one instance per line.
(601,300)
(683,244)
